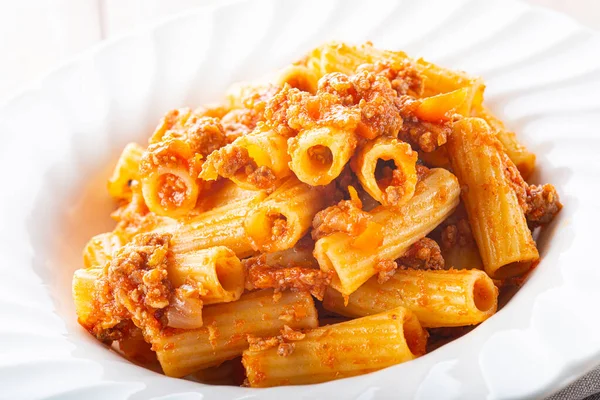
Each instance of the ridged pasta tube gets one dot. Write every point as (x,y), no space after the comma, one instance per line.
(438,298)
(436,197)
(226,326)
(338,351)
(496,218)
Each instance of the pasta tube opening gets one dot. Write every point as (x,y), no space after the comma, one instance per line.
(484,294)
(413,335)
(170,191)
(258,173)
(285,216)
(269,227)
(513,269)
(229,274)
(319,155)
(320,158)
(216,272)
(386,169)
(391,178)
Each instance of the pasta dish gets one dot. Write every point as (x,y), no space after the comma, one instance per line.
(355,211)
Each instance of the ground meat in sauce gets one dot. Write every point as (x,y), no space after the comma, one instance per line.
(404,78)
(169,124)
(425,254)
(262,177)
(385,270)
(232,160)
(260,344)
(169,153)
(276,111)
(205,135)
(378,114)
(284,341)
(457,234)
(395,190)
(292,110)
(374,97)
(211,110)
(173,117)
(279,228)
(346,216)
(285,349)
(422,172)
(540,203)
(262,276)
(364,102)
(421,135)
(234,130)
(424,136)
(543,204)
(202,134)
(232,123)
(122,330)
(239,122)
(257,100)
(134,286)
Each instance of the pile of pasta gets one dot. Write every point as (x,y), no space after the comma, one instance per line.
(351,214)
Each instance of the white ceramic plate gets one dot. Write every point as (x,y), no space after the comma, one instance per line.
(59,138)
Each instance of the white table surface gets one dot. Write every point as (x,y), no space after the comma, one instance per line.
(36,35)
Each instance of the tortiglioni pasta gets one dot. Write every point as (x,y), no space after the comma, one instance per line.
(323,225)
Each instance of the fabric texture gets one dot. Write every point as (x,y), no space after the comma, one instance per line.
(586,388)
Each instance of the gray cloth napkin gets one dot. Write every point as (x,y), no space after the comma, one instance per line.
(585,388)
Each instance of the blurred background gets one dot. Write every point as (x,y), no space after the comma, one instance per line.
(37,35)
